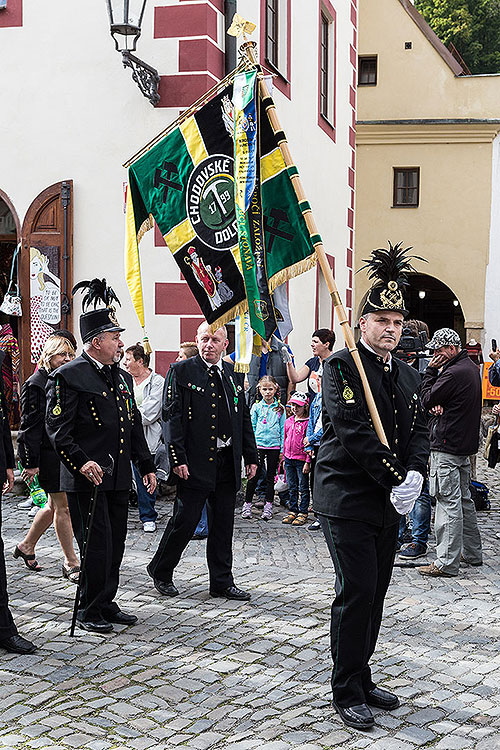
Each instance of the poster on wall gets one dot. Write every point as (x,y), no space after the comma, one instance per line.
(45,296)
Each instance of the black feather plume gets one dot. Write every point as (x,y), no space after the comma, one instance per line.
(390,264)
(97,291)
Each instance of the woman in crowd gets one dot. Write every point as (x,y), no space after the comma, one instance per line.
(37,457)
(268,422)
(148,391)
(322,343)
(186,350)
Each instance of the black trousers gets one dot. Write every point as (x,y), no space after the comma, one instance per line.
(105,550)
(269,459)
(182,524)
(7,626)
(363,557)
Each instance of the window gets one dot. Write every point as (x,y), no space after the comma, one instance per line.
(367,71)
(406,186)
(272,31)
(324,74)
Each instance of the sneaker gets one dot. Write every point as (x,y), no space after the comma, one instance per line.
(149,526)
(26,504)
(434,571)
(413,550)
(267,513)
(246,511)
(314,526)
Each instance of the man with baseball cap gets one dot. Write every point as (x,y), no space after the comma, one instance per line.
(451,392)
(96,430)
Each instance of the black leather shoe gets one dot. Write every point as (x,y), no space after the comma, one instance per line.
(121,618)
(232,592)
(16,644)
(359,717)
(382,699)
(100,626)
(165,588)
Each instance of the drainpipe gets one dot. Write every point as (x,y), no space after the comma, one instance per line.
(230,58)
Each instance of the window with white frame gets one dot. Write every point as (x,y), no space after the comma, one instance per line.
(276,38)
(326,65)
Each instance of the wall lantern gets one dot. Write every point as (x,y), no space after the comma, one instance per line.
(455,302)
(125,19)
(421,294)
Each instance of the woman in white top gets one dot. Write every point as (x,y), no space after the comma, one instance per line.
(148,391)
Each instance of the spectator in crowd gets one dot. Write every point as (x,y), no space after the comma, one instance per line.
(451,391)
(297,460)
(207,431)
(148,390)
(10,640)
(314,433)
(10,362)
(268,422)
(494,371)
(186,350)
(38,458)
(322,343)
(96,429)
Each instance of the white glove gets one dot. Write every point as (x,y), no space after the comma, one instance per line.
(403,497)
(285,355)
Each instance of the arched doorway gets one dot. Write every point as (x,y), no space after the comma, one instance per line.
(435,303)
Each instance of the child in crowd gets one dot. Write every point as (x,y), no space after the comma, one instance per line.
(268,422)
(314,433)
(297,460)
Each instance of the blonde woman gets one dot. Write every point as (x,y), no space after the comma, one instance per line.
(39,458)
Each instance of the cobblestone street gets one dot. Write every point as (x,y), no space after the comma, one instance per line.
(201,673)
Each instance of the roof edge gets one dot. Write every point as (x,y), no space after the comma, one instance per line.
(432,37)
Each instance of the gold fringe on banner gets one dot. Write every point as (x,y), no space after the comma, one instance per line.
(289,273)
(146,225)
(241,367)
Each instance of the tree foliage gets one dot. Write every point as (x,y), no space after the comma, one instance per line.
(473,26)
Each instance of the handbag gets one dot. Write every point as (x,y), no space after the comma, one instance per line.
(11,303)
(491,444)
(280,483)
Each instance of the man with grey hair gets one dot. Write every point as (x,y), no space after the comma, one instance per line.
(451,391)
(207,430)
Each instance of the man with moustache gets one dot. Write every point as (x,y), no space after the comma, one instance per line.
(361,486)
(94,424)
(207,430)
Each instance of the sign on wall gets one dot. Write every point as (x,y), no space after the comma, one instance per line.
(488,391)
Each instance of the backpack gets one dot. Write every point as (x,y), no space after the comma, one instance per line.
(479,493)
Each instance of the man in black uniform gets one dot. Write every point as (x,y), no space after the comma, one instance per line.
(93,422)
(207,429)
(361,486)
(10,639)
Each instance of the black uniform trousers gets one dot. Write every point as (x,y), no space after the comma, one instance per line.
(187,513)
(104,552)
(363,557)
(7,626)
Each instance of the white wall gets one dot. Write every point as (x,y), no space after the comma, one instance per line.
(492,291)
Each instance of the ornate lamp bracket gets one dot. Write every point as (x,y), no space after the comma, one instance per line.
(145,76)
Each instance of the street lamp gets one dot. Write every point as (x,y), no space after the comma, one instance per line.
(125,19)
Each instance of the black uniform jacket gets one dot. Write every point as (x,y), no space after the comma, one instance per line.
(92,416)
(35,448)
(354,471)
(6,449)
(190,421)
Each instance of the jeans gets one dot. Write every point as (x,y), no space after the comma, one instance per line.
(455,523)
(145,501)
(420,519)
(298,482)
(202,528)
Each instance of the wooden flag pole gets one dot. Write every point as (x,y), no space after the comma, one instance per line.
(248,47)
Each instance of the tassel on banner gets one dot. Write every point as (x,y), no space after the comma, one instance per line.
(145,344)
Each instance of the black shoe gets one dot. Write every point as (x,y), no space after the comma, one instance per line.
(314,526)
(16,644)
(232,592)
(121,618)
(165,588)
(382,699)
(359,717)
(100,626)
(199,536)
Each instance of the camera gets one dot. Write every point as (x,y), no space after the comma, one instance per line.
(412,346)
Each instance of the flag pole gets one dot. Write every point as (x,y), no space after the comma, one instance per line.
(248,48)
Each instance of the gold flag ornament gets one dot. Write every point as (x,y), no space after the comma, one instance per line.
(240,26)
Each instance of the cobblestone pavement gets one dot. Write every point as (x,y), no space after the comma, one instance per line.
(203,673)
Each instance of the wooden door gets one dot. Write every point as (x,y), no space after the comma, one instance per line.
(46,270)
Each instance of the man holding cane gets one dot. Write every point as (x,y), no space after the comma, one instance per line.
(93,421)
(361,486)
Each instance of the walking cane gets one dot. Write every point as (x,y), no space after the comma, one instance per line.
(85,542)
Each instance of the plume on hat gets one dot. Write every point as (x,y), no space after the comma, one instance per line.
(96,291)
(390,264)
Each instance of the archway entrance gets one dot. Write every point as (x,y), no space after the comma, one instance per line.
(432,301)
(9,325)
(8,242)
